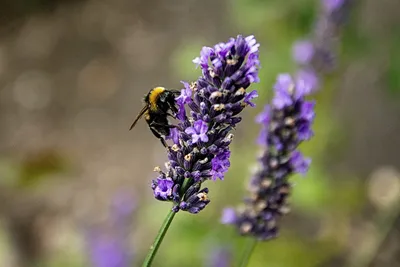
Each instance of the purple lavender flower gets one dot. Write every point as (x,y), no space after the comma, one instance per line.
(309,76)
(200,149)
(332,5)
(108,243)
(285,124)
(303,51)
(228,216)
(105,251)
(198,131)
(220,164)
(163,190)
(220,257)
(318,55)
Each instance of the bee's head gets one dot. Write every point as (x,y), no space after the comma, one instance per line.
(154,94)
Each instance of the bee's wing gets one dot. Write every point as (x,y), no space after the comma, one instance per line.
(145,108)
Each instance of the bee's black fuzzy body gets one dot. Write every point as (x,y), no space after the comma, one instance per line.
(158,102)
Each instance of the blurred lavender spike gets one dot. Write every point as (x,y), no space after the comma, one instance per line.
(106,251)
(318,55)
(108,245)
(220,257)
(285,124)
(200,149)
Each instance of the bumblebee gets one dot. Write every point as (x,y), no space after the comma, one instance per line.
(158,102)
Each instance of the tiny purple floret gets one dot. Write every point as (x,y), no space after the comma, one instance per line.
(164,188)
(198,131)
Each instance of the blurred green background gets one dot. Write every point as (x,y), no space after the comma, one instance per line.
(72,75)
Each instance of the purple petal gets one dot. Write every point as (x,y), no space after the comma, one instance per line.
(164,188)
(174,135)
(202,61)
(195,138)
(220,164)
(186,94)
(249,96)
(304,131)
(307,110)
(204,138)
(282,96)
(181,111)
(262,137)
(190,130)
(252,43)
(310,78)
(303,51)
(203,127)
(299,163)
(332,5)
(264,117)
(228,216)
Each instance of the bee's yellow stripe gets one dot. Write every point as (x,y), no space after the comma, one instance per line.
(153,97)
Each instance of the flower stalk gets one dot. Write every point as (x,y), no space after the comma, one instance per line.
(250,245)
(159,238)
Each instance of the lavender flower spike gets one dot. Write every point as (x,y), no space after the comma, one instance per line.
(200,149)
(108,244)
(318,55)
(285,124)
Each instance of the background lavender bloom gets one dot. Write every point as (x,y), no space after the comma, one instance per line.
(200,149)
(332,5)
(318,55)
(106,251)
(285,124)
(108,243)
(219,257)
(303,51)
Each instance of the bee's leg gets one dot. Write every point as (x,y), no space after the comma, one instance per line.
(173,108)
(171,126)
(164,143)
(156,134)
(162,125)
(173,116)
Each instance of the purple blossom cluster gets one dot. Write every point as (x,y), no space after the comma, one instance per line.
(208,111)
(285,124)
(318,54)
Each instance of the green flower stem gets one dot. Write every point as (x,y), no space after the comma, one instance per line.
(249,248)
(159,238)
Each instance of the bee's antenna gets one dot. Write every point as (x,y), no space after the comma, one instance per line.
(144,109)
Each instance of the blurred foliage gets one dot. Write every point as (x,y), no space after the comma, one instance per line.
(393,74)
(32,169)
(12,9)
(36,166)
